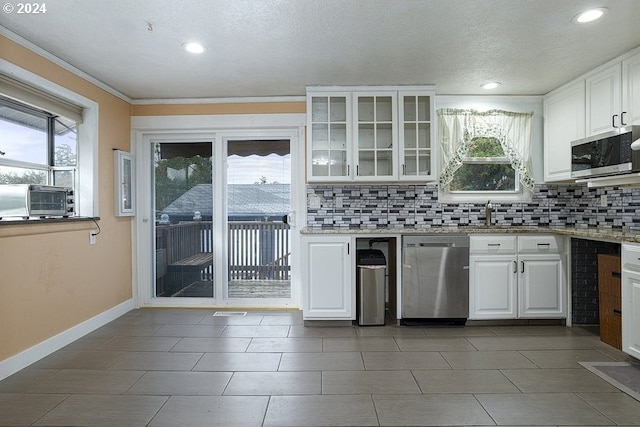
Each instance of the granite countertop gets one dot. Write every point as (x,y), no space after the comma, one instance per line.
(593,233)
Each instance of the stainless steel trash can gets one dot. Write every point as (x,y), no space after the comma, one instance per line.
(372,268)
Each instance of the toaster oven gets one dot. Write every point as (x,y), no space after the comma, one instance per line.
(32,200)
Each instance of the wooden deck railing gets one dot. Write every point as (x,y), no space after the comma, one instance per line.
(256,250)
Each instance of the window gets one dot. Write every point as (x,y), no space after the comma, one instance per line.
(485,155)
(485,168)
(36,147)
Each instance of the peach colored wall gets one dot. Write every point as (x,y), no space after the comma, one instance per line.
(227,108)
(51,278)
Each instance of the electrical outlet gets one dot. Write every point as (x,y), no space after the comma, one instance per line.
(603,201)
(92,237)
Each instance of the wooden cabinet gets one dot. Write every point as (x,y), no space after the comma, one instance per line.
(630,294)
(609,294)
(564,121)
(329,278)
(517,277)
(370,134)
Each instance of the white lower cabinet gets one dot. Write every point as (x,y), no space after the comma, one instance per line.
(631,300)
(517,277)
(329,278)
(541,290)
(492,287)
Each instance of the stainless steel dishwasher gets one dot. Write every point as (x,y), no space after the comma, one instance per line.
(435,277)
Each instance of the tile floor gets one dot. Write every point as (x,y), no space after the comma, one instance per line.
(186,367)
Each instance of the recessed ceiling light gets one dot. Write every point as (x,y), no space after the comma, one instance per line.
(194,47)
(590,15)
(490,85)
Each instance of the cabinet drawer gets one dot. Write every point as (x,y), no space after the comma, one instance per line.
(631,257)
(540,244)
(492,244)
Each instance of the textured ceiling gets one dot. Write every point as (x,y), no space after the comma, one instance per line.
(274,48)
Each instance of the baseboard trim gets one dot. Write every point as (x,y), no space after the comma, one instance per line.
(21,360)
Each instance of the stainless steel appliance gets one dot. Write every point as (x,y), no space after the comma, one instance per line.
(31,200)
(435,277)
(610,153)
(372,267)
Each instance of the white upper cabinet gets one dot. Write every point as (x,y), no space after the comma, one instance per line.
(613,96)
(631,90)
(604,100)
(601,101)
(415,142)
(329,136)
(375,135)
(564,114)
(370,134)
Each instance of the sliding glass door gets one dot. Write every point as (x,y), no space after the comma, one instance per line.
(183,197)
(258,205)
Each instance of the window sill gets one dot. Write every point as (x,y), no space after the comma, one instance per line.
(27,227)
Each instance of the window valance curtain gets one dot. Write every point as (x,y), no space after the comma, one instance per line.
(457,128)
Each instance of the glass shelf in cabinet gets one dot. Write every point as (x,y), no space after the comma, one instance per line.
(319,109)
(409,108)
(338,136)
(366,109)
(424,135)
(384,109)
(338,109)
(410,135)
(320,136)
(424,108)
(366,136)
(384,136)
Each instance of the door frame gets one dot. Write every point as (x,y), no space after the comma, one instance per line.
(217,129)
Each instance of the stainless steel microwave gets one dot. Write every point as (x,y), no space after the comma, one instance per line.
(31,200)
(610,153)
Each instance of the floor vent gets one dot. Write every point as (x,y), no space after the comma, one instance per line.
(230,313)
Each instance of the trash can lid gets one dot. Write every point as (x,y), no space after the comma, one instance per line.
(370,257)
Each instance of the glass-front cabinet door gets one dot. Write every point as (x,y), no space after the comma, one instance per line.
(328,136)
(375,136)
(416,154)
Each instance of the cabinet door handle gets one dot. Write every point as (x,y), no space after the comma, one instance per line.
(515,266)
(617,312)
(403,170)
(357,170)
(347,248)
(544,244)
(348,170)
(493,244)
(613,120)
(522,271)
(622,118)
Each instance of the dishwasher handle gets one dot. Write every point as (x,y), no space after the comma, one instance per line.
(437,245)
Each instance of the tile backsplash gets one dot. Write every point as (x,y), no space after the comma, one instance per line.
(411,206)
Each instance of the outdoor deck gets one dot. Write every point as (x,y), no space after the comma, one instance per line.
(258,259)
(240,289)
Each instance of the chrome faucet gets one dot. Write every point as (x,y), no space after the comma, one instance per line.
(488,210)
